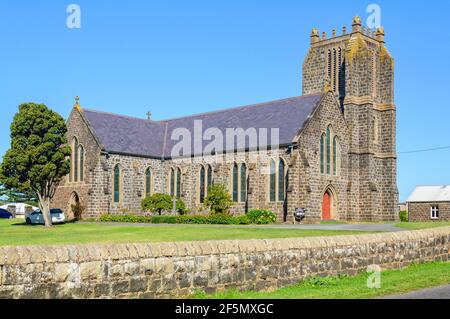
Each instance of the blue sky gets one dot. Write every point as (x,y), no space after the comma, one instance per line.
(181,57)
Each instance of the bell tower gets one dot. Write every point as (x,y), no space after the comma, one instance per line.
(360,70)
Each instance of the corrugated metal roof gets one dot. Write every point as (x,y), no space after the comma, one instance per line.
(430,194)
(127,135)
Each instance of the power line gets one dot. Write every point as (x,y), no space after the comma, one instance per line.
(426,150)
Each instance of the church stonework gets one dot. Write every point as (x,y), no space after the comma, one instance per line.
(337,148)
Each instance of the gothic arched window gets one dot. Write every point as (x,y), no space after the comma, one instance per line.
(328,150)
(281,183)
(335,155)
(209,178)
(116,184)
(243,183)
(322,154)
(235,184)
(75,160)
(272,181)
(172,182)
(178,194)
(329,153)
(334,81)
(202,184)
(81,163)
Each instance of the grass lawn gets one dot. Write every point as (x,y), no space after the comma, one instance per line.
(17,233)
(393,282)
(422,225)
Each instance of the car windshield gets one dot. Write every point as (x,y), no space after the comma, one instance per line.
(55,211)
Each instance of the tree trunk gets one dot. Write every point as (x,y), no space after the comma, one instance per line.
(44,204)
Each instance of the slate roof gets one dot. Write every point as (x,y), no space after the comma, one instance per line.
(425,194)
(133,136)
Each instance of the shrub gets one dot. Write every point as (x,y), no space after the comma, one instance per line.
(181,207)
(404,218)
(213,219)
(164,219)
(261,217)
(192,219)
(125,219)
(157,203)
(242,220)
(218,200)
(221,219)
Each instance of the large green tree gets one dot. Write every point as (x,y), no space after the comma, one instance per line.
(38,157)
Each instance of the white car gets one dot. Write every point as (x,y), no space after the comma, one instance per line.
(37,218)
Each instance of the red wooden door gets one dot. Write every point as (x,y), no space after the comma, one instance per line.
(326,207)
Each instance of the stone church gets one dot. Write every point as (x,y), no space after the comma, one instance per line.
(333,151)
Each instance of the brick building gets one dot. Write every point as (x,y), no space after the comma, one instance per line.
(331,150)
(429,203)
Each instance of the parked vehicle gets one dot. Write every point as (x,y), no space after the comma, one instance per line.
(4,214)
(21,208)
(37,218)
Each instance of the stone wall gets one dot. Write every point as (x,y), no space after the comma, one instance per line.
(166,270)
(421,212)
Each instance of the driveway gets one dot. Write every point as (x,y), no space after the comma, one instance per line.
(348,227)
(432,293)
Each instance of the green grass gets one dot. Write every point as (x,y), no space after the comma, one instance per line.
(17,233)
(422,225)
(393,282)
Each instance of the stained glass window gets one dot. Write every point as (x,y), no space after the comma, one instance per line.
(328,150)
(235,184)
(202,184)
(81,163)
(281,184)
(75,160)
(322,154)
(178,183)
(116,184)
(243,183)
(272,182)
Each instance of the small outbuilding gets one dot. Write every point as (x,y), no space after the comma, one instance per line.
(429,203)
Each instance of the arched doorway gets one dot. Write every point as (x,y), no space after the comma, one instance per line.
(328,205)
(74,210)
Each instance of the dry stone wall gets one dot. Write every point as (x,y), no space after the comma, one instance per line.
(167,270)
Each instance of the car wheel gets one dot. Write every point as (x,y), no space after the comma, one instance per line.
(11,217)
(28,221)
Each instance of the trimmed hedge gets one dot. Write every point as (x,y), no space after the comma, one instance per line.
(214,219)
(257,217)
(136,219)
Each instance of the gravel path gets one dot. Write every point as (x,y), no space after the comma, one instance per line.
(432,293)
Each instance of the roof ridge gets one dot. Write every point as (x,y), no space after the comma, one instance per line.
(242,107)
(123,116)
